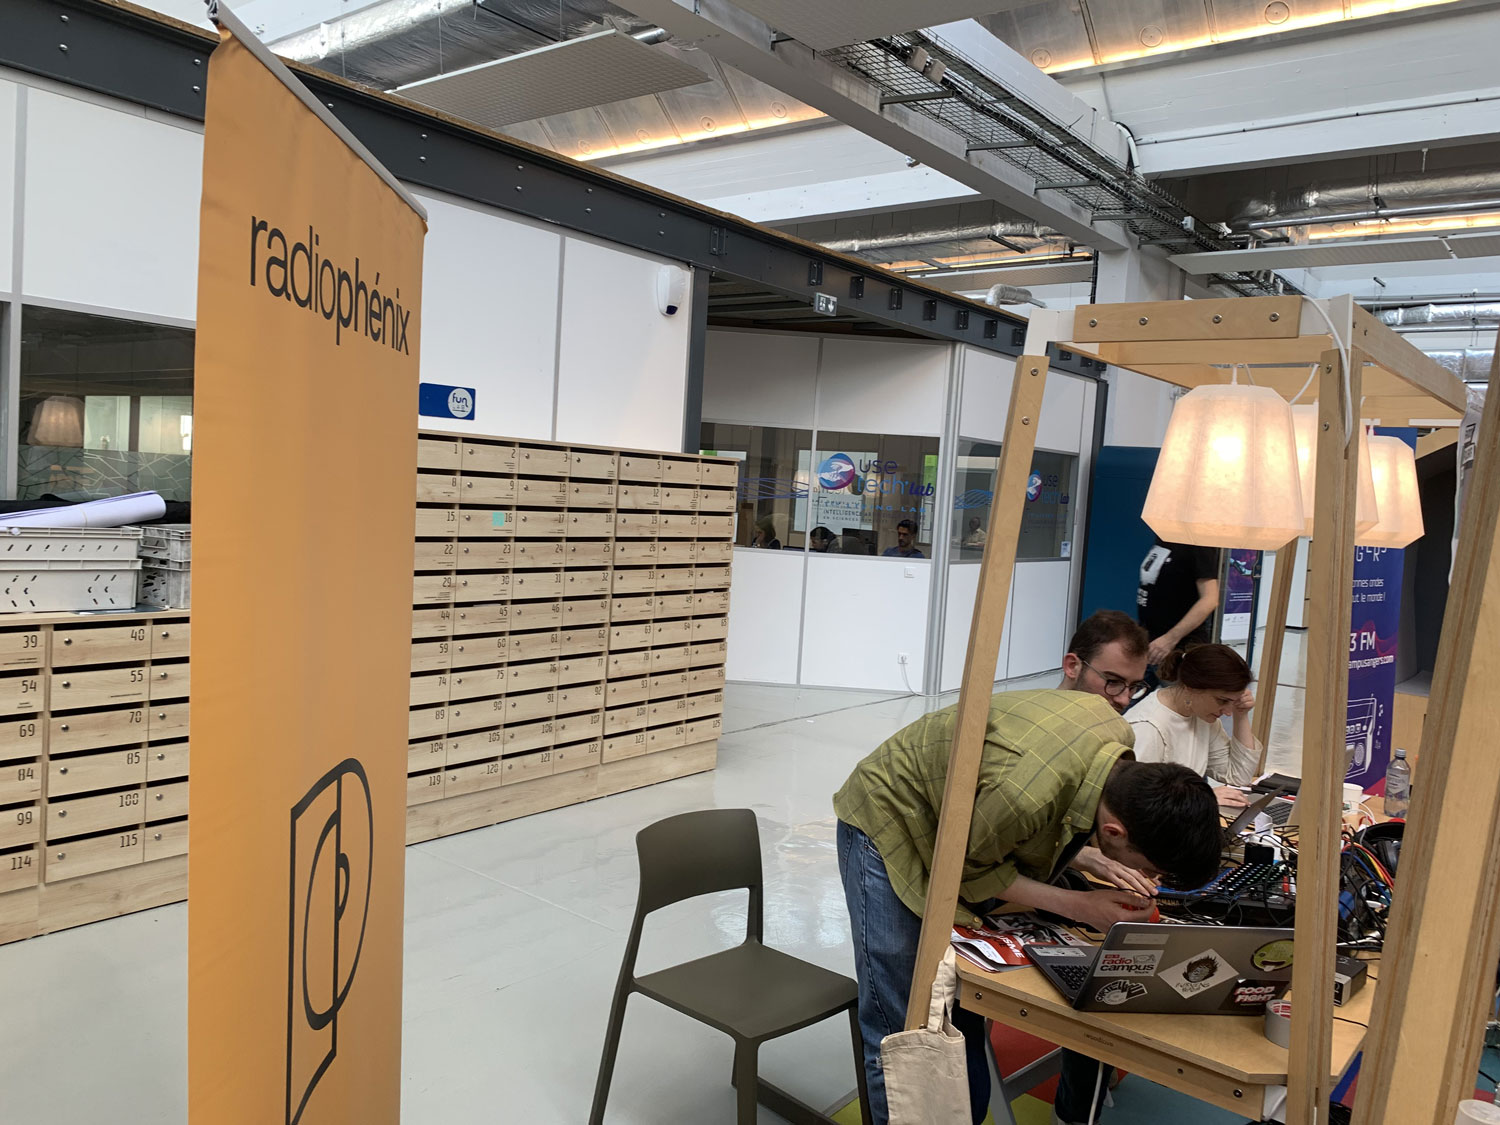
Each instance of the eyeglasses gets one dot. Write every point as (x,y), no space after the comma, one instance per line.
(1114,686)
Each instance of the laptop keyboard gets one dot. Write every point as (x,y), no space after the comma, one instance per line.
(1074,976)
(1279,811)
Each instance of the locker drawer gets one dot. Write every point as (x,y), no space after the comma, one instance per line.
(433,589)
(666,711)
(679,499)
(100,813)
(481,457)
(166,840)
(586,583)
(716,602)
(579,756)
(667,659)
(426,755)
(71,689)
(168,761)
(586,639)
(702,679)
(675,604)
(530,707)
(432,555)
(634,580)
(716,500)
(580,669)
(531,677)
(539,524)
(481,586)
(24,693)
(674,579)
(476,714)
(424,787)
(526,767)
(19,870)
(715,526)
(620,746)
(473,652)
(636,523)
(169,681)
(488,490)
(628,664)
(721,474)
(475,747)
(666,685)
(436,522)
(485,556)
(536,615)
(710,628)
(716,552)
(427,722)
(486,522)
(666,738)
(530,736)
(431,656)
(586,525)
(672,632)
(582,494)
(619,719)
(20,781)
(476,683)
(22,739)
(21,649)
(590,554)
(169,720)
(705,706)
(20,827)
(639,608)
(471,619)
(472,778)
(701,730)
(542,462)
(437,488)
(620,692)
(630,636)
(676,551)
(436,453)
(100,646)
(544,553)
(534,646)
(639,496)
(634,466)
(166,800)
(598,466)
(709,652)
(94,854)
(534,493)
(537,584)
(681,525)
(576,728)
(585,611)
(580,697)
(99,728)
(679,471)
(641,552)
(711,578)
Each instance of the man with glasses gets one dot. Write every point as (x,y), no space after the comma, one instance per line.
(1107,657)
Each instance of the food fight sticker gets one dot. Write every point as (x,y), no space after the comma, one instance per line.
(1128,962)
(1118,992)
(1198,973)
(1251,995)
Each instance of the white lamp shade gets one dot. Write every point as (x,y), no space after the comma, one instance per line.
(1394,466)
(1227,474)
(1366,507)
(58,421)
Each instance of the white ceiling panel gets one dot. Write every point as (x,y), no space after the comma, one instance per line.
(1048,273)
(589,71)
(1475,245)
(1329,253)
(825,24)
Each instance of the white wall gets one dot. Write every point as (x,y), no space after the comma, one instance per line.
(1039,628)
(986,394)
(493,329)
(622,365)
(111,207)
(760,378)
(963,588)
(883,386)
(861,613)
(7,180)
(765,616)
(1064,420)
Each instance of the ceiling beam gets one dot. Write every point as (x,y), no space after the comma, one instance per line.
(739,39)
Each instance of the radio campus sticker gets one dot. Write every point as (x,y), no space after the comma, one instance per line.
(1199,973)
(1118,992)
(1128,962)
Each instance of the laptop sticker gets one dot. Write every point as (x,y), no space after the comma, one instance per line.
(1128,962)
(1145,939)
(1055,951)
(1273,956)
(1118,992)
(1250,996)
(1199,973)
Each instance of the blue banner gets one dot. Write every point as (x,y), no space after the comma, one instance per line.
(436,400)
(1374,623)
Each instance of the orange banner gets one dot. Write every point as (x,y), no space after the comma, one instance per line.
(309,291)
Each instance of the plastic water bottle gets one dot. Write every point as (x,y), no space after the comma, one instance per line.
(1397,785)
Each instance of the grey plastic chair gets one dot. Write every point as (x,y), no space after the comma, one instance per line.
(749,992)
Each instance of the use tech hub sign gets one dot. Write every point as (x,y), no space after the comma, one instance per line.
(878,482)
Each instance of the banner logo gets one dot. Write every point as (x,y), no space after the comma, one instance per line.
(1034,486)
(333,840)
(836,472)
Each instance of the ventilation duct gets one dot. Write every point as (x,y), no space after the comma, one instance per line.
(1402,194)
(993,232)
(1010,295)
(1457,317)
(1472,365)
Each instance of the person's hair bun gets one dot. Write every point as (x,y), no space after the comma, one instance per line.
(1168,669)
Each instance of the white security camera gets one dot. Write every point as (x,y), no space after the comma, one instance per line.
(671,289)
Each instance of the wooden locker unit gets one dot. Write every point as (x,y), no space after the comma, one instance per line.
(93,767)
(615,596)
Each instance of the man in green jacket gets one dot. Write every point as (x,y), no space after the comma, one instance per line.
(1056,773)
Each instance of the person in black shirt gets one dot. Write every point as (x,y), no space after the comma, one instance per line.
(1177,596)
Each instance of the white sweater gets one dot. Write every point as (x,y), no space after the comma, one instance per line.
(1162,735)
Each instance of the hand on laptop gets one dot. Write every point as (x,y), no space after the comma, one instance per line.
(1230,798)
(1102,909)
(1101,867)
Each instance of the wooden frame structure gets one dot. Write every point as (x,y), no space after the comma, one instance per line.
(1336,354)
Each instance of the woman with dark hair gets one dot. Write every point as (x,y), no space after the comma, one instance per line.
(1179,722)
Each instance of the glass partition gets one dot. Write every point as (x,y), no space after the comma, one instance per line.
(1047,519)
(771,509)
(873,494)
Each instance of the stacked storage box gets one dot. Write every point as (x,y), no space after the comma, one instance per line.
(166,565)
(66,569)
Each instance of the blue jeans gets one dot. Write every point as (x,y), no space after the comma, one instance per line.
(885,957)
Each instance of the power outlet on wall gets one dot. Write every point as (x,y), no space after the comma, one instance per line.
(902,658)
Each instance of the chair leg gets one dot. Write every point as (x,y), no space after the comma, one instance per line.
(611,1049)
(746,1081)
(859,1067)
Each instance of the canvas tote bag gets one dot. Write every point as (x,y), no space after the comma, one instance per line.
(926,1078)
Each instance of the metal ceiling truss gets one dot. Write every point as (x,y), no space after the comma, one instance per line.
(963,98)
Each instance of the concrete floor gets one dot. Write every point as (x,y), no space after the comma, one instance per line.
(513,942)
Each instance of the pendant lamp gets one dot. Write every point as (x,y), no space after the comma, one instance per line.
(1366,507)
(1394,467)
(58,421)
(1227,474)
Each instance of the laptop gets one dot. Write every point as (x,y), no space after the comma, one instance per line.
(1163,968)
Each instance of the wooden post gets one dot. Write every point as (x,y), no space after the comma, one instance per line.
(1437,975)
(1270,653)
(1330,590)
(952,843)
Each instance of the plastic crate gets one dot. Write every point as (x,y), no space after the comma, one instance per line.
(170,541)
(68,585)
(40,546)
(167,585)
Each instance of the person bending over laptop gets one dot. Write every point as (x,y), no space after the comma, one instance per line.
(1179,722)
(1056,769)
